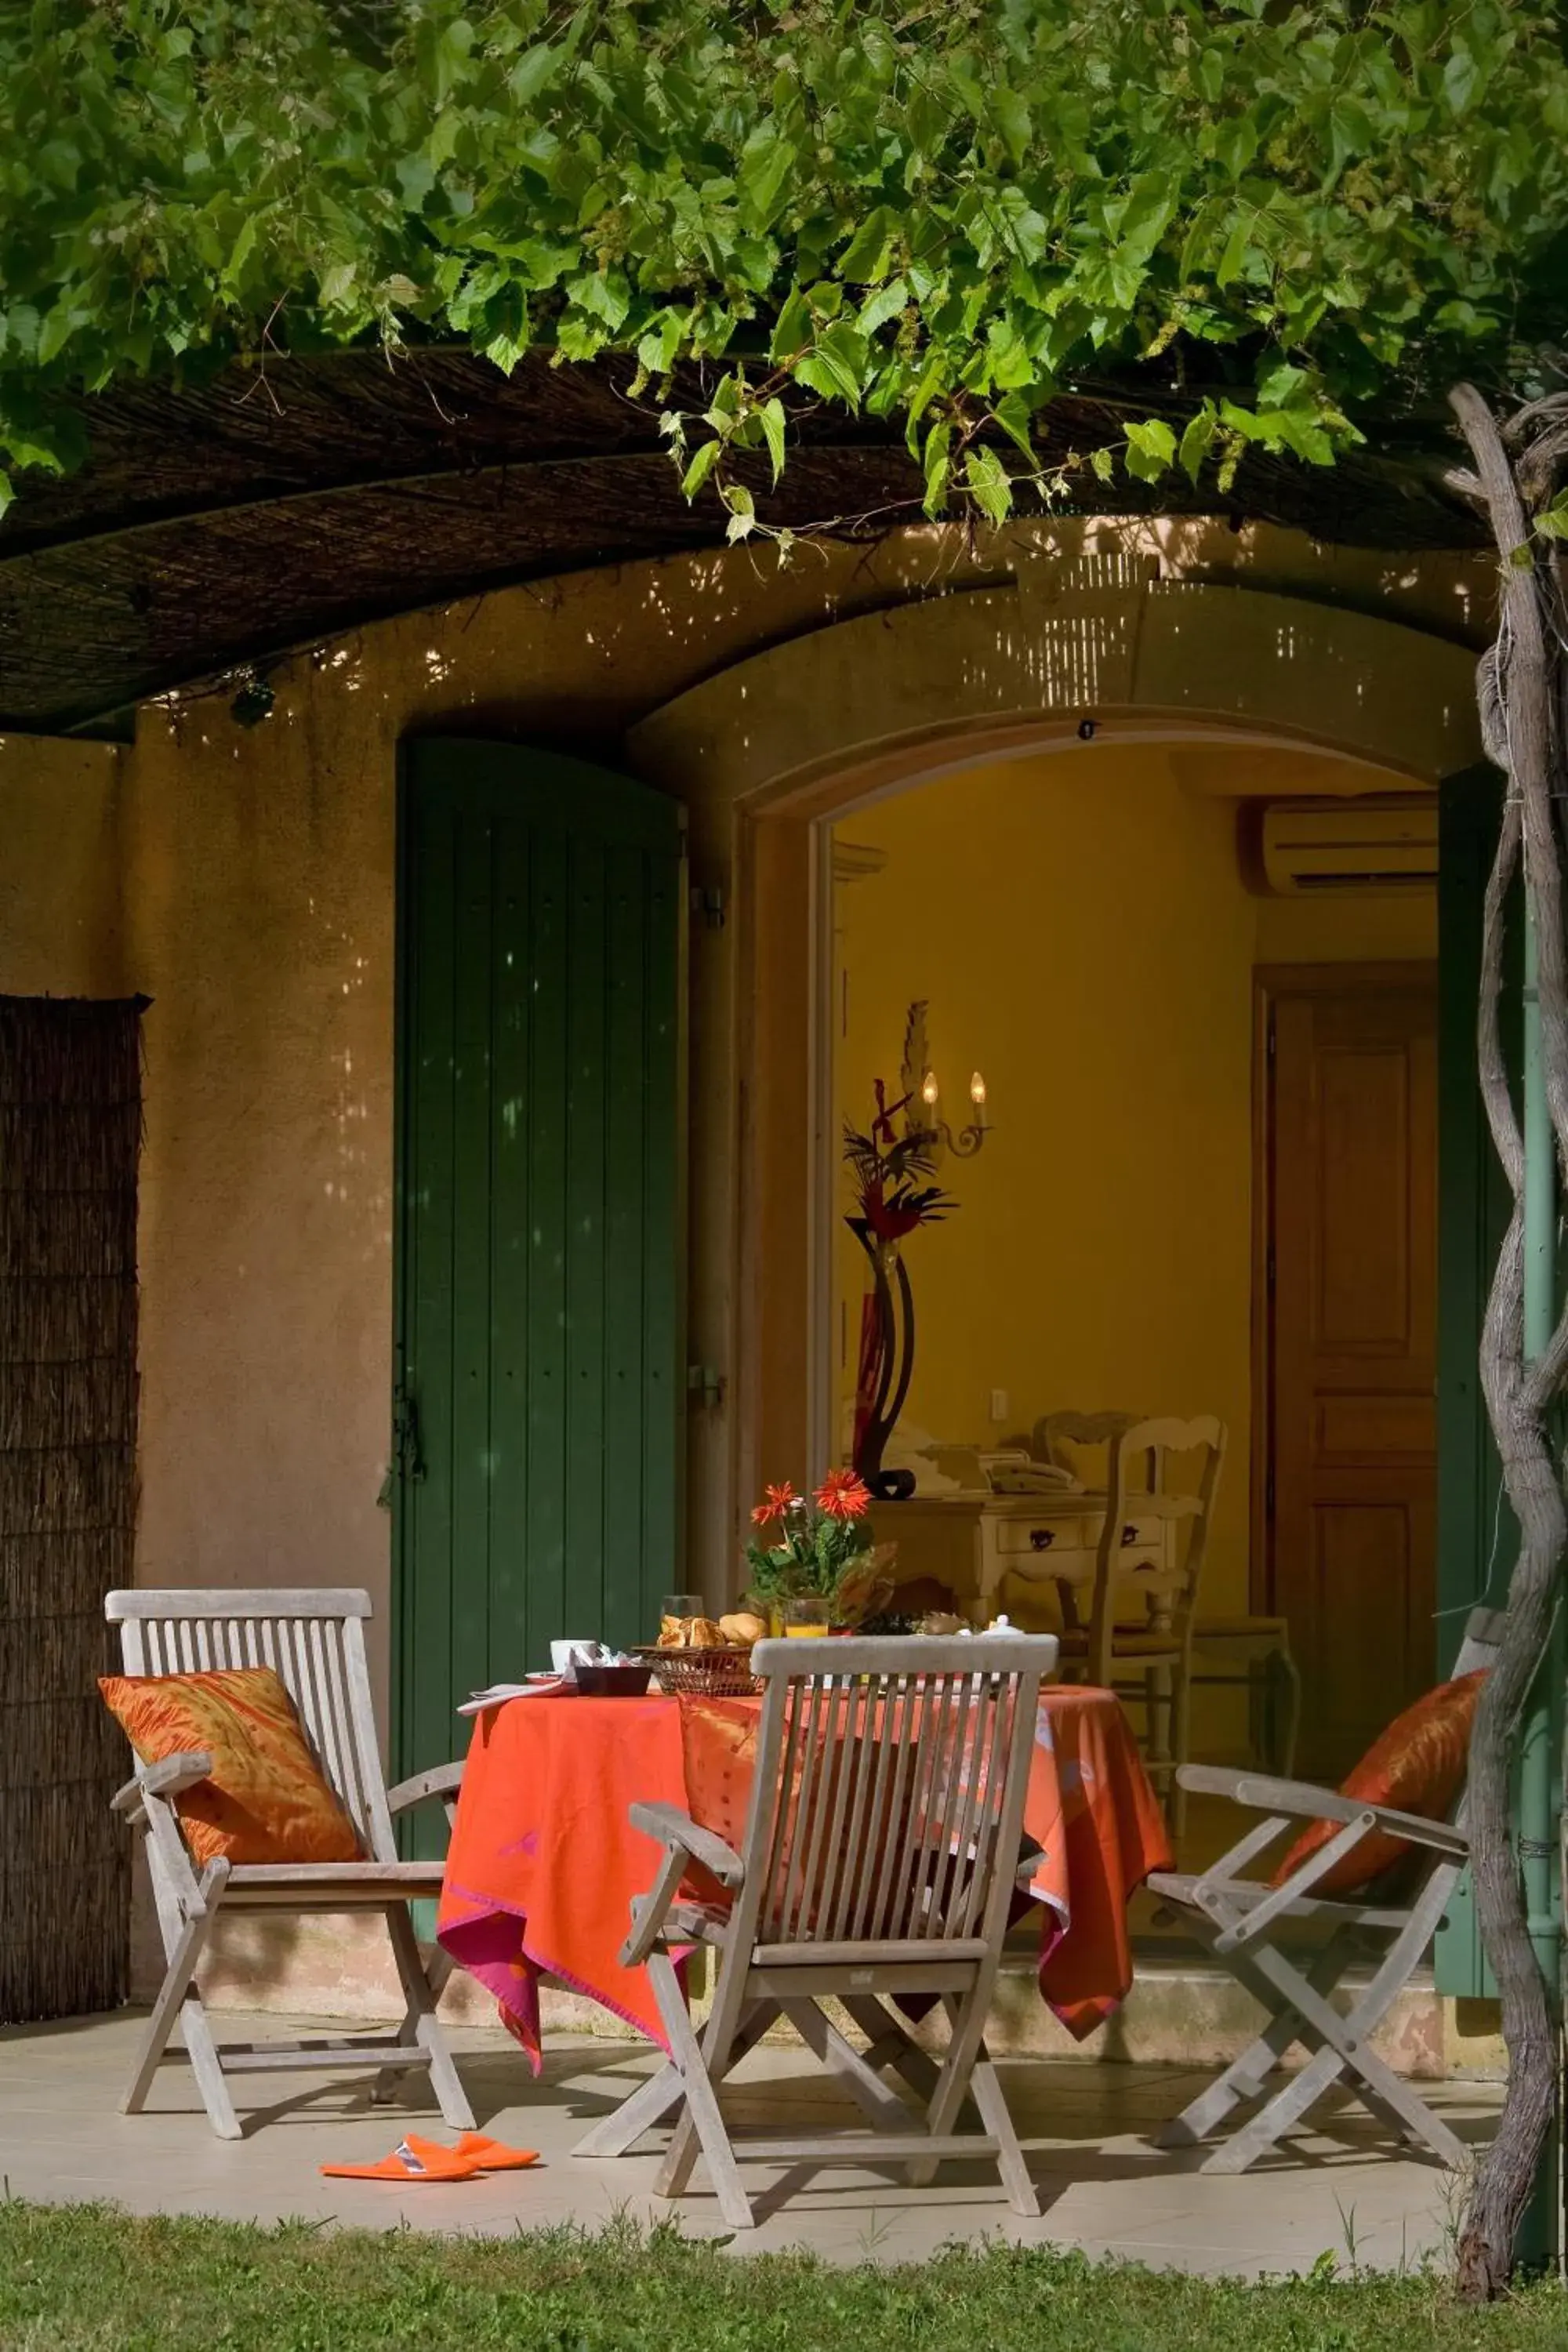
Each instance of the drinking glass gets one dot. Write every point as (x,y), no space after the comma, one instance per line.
(806,1616)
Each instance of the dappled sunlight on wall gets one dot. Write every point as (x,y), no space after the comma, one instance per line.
(256,869)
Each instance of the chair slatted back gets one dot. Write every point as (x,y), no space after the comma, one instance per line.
(887,1797)
(314,1642)
(1136,1452)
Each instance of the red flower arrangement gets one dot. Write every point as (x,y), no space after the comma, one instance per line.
(816,1545)
(844,1495)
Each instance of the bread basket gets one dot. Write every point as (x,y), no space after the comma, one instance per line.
(701,1673)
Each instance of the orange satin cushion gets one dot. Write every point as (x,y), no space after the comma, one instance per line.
(1417,1766)
(266,1800)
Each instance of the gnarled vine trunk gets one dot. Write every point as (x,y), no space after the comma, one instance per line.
(1516,466)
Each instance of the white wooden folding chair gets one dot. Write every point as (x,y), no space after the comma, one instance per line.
(880,1860)
(1137,1637)
(1292,1949)
(315,1642)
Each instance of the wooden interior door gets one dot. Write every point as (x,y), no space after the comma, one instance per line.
(1350,1276)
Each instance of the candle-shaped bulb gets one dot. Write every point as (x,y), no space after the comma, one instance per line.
(977,1097)
(929,1090)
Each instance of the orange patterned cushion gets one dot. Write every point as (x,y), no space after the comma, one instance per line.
(1418,1765)
(266,1800)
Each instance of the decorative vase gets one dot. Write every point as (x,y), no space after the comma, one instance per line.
(886,1364)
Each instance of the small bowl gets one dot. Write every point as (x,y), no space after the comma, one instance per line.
(611,1682)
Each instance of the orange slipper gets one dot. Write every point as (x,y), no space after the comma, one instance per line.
(409,2162)
(481,2154)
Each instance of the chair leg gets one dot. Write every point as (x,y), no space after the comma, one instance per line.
(384,2086)
(421,2025)
(165,2012)
(1375,2084)
(186,1916)
(649,2104)
(1340,2049)
(1285,1674)
(179,2002)
(1409,2117)
(1022,2194)
(891,2042)
(1244,2078)
(1181,1742)
(876,2101)
(966,2028)
(1271,2122)
(701,2121)
(207,2065)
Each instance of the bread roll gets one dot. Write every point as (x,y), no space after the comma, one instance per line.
(742,1629)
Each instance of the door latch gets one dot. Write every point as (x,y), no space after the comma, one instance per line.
(407,1453)
(706,1381)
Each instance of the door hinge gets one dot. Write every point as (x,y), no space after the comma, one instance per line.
(1269,1270)
(1270,1040)
(703,1380)
(1268,1496)
(712,905)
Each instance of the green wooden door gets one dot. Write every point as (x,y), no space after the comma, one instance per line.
(1476,1534)
(539,1288)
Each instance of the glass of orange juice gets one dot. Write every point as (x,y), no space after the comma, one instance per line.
(806,1616)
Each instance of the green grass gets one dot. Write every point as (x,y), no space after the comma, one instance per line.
(78,2276)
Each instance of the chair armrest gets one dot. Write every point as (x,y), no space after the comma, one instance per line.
(166,1778)
(682,1834)
(441,1781)
(684,1841)
(1262,1795)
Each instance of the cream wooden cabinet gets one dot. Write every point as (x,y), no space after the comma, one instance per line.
(969,1542)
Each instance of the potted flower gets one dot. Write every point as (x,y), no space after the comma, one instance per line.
(819,1547)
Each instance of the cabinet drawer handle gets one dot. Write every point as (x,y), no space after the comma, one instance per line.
(1041,1538)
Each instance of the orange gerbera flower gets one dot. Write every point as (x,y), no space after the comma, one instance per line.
(844,1495)
(767,1514)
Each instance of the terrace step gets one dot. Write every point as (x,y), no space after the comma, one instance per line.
(1181,2011)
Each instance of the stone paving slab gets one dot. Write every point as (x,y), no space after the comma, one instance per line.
(1087,2131)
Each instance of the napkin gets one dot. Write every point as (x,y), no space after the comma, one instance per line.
(499,1692)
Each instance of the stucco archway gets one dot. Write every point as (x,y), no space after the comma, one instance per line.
(765,748)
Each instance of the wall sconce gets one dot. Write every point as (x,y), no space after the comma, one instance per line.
(922,1117)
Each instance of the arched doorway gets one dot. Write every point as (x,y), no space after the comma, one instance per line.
(772,752)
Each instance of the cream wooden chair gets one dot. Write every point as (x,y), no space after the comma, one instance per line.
(880,1857)
(1138,1638)
(1247,1652)
(1291,1947)
(315,1643)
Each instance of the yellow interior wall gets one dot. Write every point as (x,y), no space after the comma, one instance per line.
(1079,926)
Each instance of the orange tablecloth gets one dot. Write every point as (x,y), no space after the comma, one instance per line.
(543,1862)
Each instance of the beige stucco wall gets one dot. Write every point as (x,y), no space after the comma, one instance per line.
(60,928)
(255,875)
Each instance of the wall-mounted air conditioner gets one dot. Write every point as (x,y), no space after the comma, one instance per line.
(1298,849)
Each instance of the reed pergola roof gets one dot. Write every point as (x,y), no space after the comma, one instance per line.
(222,524)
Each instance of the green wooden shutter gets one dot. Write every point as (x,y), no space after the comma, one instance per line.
(537,1415)
(1476,1532)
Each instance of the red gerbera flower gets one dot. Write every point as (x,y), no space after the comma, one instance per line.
(844,1495)
(779,1500)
